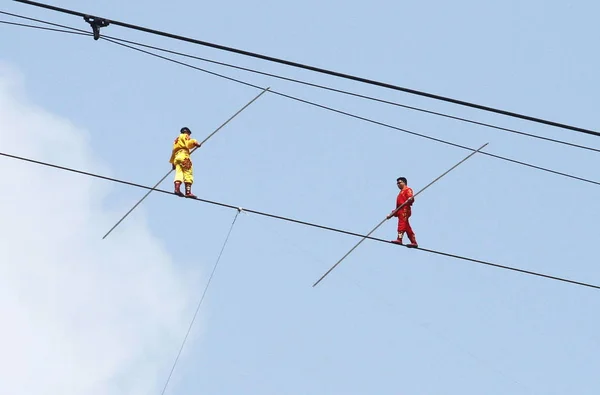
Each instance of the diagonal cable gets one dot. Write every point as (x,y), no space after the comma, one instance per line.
(199,305)
(462,119)
(43,28)
(313,68)
(375,99)
(521,163)
(358,116)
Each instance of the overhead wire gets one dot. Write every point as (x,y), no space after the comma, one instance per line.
(514,161)
(359,117)
(46,23)
(435,252)
(521,163)
(324,87)
(41,27)
(199,305)
(315,69)
(371,98)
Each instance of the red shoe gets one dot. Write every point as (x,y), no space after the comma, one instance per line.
(188,191)
(178,188)
(397,241)
(413,241)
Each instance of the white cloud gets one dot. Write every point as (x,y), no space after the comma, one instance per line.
(80,315)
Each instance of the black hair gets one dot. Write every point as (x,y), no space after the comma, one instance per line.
(403,179)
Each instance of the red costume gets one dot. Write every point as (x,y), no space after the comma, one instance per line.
(403,215)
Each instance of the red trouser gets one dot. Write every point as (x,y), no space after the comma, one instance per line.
(404,226)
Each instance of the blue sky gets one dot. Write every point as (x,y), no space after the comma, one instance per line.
(388,320)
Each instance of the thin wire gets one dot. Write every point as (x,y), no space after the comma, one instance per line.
(45,22)
(332,89)
(43,28)
(358,95)
(357,116)
(349,114)
(199,305)
(302,222)
(316,69)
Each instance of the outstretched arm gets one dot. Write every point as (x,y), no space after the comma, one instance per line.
(193,143)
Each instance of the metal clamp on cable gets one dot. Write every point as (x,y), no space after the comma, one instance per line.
(96,24)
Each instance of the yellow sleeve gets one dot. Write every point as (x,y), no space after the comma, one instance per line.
(177,145)
(191,143)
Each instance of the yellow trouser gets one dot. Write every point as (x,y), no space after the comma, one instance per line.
(184,172)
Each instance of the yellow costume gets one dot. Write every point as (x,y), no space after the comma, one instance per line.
(182,164)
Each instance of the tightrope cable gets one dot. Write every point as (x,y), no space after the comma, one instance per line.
(441,253)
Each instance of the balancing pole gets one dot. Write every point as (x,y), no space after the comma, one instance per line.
(166,175)
(395,211)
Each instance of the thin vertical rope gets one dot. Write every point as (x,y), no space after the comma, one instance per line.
(199,304)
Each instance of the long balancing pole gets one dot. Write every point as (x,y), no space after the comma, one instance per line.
(395,211)
(166,175)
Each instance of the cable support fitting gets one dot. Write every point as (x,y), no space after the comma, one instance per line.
(96,24)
